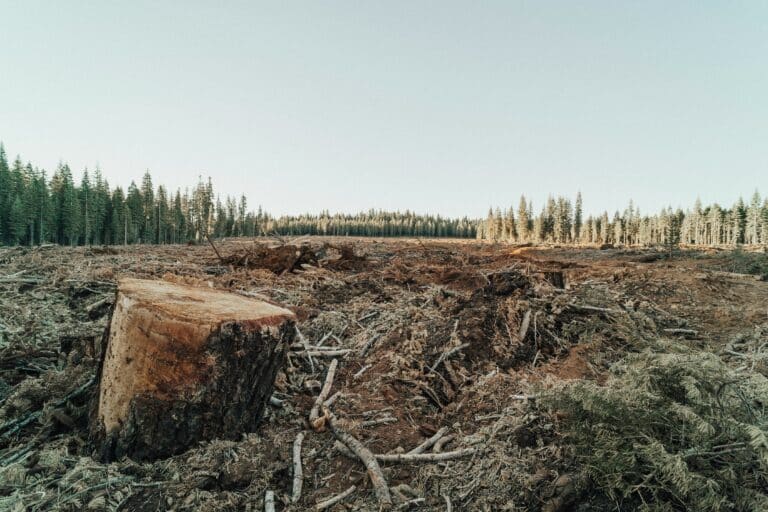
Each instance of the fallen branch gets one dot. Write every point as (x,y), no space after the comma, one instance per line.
(331,400)
(327,353)
(369,315)
(524,326)
(426,457)
(684,332)
(369,460)
(378,421)
(442,442)
(429,442)
(369,345)
(342,449)
(408,504)
(334,500)
(314,413)
(298,475)
(223,262)
(591,308)
(361,371)
(410,457)
(306,349)
(446,355)
(269,501)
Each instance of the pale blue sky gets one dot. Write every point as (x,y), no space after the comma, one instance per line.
(443,107)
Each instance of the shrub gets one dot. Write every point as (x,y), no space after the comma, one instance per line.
(671,430)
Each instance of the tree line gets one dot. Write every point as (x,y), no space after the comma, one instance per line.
(36,209)
(562,221)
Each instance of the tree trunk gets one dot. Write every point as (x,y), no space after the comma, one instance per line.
(182,364)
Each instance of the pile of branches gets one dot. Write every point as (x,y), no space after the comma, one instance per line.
(672,429)
(279,260)
(292,257)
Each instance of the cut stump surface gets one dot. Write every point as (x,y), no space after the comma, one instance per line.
(184,364)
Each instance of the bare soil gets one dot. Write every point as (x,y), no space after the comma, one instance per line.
(452,334)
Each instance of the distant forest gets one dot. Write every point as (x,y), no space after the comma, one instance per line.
(562,221)
(35,210)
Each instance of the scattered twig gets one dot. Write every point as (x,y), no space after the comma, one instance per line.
(306,349)
(369,345)
(368,459)
(332,399)
(524,326)
(334,500)
(269,501)
(429,442)
(298,475)
(426,457)
(409,503)
(369,315)
(361,371)
(314,413)
(684,332)
(221,259)
(440,444)
(378,421)
(409,457)
(328,353)
(448,354)
(595,309)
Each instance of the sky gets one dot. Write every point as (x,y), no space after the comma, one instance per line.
(438,107)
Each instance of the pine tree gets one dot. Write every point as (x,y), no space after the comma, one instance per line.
(739,221)
(66,207)
(577,221)
(753,217)
(523,232)
(148,210)
(5,197)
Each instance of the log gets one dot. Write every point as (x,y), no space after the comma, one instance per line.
(181,365)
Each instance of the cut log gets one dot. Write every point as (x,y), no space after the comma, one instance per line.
(182,364)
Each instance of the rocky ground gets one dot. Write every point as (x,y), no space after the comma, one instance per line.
(452,340)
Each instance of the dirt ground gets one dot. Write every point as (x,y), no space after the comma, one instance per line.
(440,334)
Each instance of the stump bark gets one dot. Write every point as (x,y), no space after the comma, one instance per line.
(182,364)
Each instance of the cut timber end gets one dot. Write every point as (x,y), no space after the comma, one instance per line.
(184,364)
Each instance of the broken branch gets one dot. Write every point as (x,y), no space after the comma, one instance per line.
(314,414)
(334,500)
(298,476)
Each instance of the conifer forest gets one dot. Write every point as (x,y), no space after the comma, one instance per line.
(37,209)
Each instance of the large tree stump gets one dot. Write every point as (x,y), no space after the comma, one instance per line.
(182,364)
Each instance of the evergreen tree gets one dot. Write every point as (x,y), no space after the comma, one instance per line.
(5,197)
(523,232)
(577,214)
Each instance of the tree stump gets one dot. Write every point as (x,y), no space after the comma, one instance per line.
(182,364)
